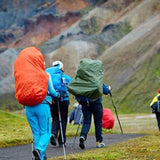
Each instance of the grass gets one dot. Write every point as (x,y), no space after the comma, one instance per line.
(14,130)
(144,148)
(141,88)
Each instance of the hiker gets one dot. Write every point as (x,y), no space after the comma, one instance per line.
(76,114)
(60,82)
(88,87)
(155,105)
(90,107)
(31,86)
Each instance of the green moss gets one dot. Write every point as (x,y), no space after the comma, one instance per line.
(89,26)
(101,47)
(141,88)
(86,10)
(120,30)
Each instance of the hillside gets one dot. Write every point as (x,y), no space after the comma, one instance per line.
(137,72)
(123,34)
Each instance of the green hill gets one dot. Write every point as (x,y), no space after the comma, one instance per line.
(141,87)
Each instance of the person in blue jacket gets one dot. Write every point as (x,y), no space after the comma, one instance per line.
(39,118)
(90,107)
(60,82)
(76,115)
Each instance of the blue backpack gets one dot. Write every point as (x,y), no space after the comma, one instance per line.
(60,81)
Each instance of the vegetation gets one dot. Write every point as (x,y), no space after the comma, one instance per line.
(86,10)
(144,148)
(139,148)
(14,130)
(101,47)
(89,26)
(116,32)
(141,85)
(8,102)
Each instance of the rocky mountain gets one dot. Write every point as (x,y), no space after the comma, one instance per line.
(123,34)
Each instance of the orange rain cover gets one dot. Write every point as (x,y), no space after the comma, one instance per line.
(31,80)
(107,119)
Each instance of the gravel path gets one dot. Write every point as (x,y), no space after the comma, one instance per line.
(23,152)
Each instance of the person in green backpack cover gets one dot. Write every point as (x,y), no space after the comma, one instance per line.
(90,107)
(87,86)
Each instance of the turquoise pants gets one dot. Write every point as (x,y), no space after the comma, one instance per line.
(39,119)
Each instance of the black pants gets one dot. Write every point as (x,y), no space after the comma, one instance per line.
(96,110)
(55,119)
(158,119)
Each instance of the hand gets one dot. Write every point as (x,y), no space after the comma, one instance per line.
(153,111)
(110,88)
(58,95)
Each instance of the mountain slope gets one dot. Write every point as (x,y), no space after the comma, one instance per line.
(119,33)
(132,67)
(131,51)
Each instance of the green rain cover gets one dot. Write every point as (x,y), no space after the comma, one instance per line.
(88,81)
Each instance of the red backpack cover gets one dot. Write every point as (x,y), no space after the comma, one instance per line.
(107,119)
(31,80)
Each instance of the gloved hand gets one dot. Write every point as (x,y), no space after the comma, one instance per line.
(58,95)
(153,111)
(110,88)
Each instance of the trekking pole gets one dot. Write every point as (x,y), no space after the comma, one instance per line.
(32,147)
(116,112)
(60,122)
(77,130)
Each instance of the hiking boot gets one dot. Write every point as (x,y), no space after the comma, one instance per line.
(36,154)
(45,158)
(100,145)
(81,142)
(53,140)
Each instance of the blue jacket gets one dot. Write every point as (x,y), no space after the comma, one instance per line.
(99,100)
(76,115)
(59,80)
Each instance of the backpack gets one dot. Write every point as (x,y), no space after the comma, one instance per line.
(88,81)
(107,119)
(60,80)
(155,104)
(31,80)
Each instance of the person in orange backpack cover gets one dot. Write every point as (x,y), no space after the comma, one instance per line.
(32,92)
